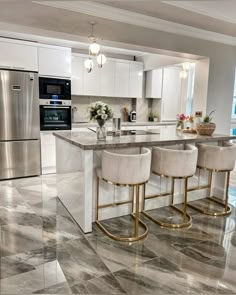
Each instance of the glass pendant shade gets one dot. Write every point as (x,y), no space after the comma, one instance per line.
(94,48)
(101,60)
(88,64)
(183,74)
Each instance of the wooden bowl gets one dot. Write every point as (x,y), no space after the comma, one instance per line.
(205,128)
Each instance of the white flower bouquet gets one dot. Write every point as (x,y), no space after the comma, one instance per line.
(100,111)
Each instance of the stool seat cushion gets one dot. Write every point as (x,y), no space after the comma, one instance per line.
(126,169)
(173,161)
(217,157)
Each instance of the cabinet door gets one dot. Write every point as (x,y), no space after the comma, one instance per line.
(154,83)
(77,84)
(55,62)
(92,81)
(136,80)
(171,94)
(122,79)
(18,56)
(48,152)
(108,79)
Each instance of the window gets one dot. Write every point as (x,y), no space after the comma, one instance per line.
(190,89)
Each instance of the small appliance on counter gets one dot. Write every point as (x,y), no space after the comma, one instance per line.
(132,116)
(55,104)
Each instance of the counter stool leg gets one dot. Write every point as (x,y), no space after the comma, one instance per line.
(172,190)
(132,198)
(185,199)
(143,197)
(137,211)
(97,200)
(227,192)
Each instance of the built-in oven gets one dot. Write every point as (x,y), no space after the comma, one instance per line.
(55,114)
(53,88)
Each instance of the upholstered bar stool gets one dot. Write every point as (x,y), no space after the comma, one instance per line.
(175,164)
(216,159)
(131,170)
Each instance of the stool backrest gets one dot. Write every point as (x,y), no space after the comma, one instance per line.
(217,157)
(126,169)
(174,162)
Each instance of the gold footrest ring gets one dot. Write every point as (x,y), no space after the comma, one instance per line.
(188,223)
(124,239)
(226,212)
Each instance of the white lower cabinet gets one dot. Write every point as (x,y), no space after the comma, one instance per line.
(48,152)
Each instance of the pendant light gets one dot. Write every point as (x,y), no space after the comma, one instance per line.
(94,51)
(94,47)
(89,64)
(101,60)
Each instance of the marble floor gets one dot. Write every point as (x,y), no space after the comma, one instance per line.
(42,251)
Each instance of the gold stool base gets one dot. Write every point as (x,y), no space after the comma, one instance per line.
(125,239)
(188,223)
(226,212)
(227,208)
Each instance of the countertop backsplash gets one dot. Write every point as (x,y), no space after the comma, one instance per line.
(80,112)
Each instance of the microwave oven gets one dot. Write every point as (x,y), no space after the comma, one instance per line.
(53,88)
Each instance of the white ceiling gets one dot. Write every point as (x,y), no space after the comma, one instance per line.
(224,10)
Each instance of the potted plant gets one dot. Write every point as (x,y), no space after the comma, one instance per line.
(206,127)
(100,112)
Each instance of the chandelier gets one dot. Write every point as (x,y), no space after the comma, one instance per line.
(95,51)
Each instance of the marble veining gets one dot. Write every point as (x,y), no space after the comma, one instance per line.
(43,251)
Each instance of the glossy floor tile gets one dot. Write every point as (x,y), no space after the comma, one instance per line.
(43,251)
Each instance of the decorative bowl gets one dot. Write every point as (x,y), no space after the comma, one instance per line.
(205,128)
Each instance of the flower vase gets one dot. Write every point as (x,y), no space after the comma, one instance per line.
(101,130)
(180,125)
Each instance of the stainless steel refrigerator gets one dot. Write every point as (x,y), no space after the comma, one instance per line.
(19,124)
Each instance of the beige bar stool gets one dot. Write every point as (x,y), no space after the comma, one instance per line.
(216,159)
(131,170)
(175,163)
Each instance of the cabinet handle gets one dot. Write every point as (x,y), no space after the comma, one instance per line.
(57,107)
(11,67)
(18,68)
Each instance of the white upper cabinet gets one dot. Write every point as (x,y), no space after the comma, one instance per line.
(54,61)
(18,55)
(117,78)
(77,75)
(107,82)
(171,94)
(154,80)
(92,81)
(122,79)
(136,80)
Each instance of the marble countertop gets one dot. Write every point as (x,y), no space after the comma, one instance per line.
(87,140)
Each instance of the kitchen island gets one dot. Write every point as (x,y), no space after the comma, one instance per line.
(78,155)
